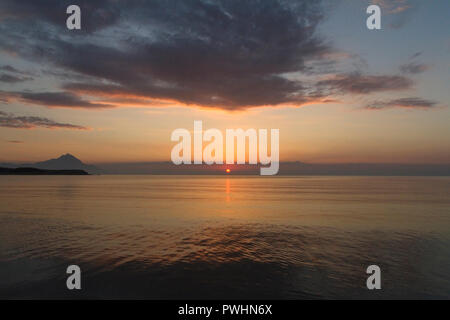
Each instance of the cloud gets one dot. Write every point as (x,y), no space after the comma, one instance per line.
(14,141)
(13,75)
(393,7)
(415,55)
(9,69)
(398,12)
(8,120)
(52,99)
(406,103)
(13,79)
(414,68)
(357,83)
(229,54)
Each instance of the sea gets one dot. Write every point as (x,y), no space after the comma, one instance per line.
(224,237)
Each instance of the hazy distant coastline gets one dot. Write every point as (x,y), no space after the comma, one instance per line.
(286,168)
(70,162)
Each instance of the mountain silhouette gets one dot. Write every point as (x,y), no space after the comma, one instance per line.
(34,172)
(64,162)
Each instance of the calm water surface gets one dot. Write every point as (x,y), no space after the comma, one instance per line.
(192,237)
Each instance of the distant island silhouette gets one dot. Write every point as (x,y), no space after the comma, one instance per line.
(35,171)
(64,162)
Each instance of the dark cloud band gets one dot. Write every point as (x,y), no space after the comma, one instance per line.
(364,84)
(407,103)
(52,99)
(8,120)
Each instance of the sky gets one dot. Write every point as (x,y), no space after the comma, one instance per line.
(137,70)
